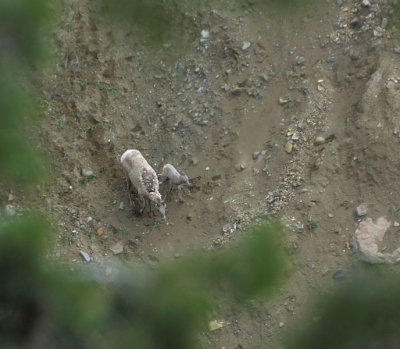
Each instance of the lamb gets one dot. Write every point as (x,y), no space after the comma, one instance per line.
(174,177)
(144,179)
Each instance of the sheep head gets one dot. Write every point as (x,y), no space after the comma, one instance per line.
(159,203)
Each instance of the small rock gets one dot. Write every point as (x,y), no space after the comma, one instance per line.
(246,45)
(366,239)
(339,2)
(236,91)
(295,136)
(283,101)
(304,190)
(366,3)
(396,224)
(87,172)
(215,325)
(10,210)
(396,50)
(10,197)
(265,77)
(289,147)
(319,140)
(361,210)
(281,324)
(121,205)
(270,199)
(256,154)
(379,29)
(301,60)
(85,256)
(356,23)
(299,226)
(339,275)
(180,68)
(226,87)
(330,59)
(89,219)
(240,167)
(117,248)
(205,34)
(331,215)
(100,231)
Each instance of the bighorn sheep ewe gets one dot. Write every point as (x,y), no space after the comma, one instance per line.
(174,177)
(144,179)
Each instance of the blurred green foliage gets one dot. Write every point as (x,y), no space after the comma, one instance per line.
(21,48)
(42,305)
(18,159)
(362,314)
(20,25)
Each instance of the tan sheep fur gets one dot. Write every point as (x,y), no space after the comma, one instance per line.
(144,179)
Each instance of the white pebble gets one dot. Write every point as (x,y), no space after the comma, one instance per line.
(87,173)
(246,45)
(205,34)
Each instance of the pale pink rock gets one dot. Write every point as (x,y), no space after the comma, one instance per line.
(367,236)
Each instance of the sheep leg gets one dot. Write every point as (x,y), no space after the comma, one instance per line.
(180,193)
(142,203)
(151,212)
(128,187)
(169,191)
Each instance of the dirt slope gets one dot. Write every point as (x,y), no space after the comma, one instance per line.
(243,122)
